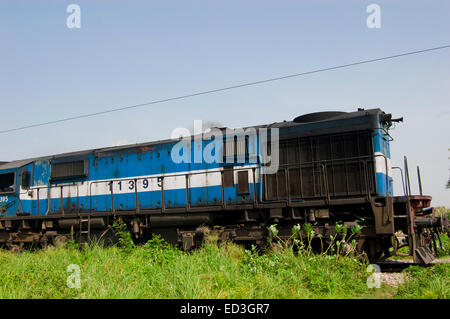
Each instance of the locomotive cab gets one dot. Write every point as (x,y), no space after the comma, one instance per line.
(15,181)
(8,191)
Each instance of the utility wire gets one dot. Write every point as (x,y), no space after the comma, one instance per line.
(224,89)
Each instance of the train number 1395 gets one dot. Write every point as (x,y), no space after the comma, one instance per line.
(131,184)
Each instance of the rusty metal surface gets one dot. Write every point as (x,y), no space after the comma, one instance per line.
(424,255)
(384,216)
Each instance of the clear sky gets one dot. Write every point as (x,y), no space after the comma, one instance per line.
(131,52)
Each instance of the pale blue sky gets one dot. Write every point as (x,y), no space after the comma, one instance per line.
(131,52)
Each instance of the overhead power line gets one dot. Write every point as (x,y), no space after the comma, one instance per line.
(224,89)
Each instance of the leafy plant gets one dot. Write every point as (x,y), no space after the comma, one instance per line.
(72,244)
(160,251)
(121,231)
(273,230)
(156,243)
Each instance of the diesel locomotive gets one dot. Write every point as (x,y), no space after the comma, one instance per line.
(332,167)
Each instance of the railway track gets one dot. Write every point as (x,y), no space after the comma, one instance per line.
(395,266)
(399,265)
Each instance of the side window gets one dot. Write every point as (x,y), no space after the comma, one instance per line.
(228,176)
(26,180)
(243,183)
(7,183)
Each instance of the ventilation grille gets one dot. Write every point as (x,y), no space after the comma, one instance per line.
(68,170)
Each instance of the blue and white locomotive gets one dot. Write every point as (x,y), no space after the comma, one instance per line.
(330,167)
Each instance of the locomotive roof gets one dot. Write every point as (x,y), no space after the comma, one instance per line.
(20,163)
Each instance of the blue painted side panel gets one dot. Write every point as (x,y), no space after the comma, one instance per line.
(381,145)
(156,160)
(120,164)
(381,183)
(147,200)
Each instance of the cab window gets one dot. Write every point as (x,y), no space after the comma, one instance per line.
(7,183)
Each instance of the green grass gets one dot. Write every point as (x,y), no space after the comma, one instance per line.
(229,271)
(445,252)
(429,283)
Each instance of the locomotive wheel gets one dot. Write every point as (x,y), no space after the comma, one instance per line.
(368,250)
(15,248)
(44,243)
(59,240)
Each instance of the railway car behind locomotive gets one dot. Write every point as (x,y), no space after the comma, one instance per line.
(333,167)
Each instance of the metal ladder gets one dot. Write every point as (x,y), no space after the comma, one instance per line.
(86,233)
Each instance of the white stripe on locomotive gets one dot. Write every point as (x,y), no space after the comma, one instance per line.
(172,181)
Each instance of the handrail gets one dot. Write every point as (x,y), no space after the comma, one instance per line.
(49,188)
(160,177)
(7,205)
(403,181)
